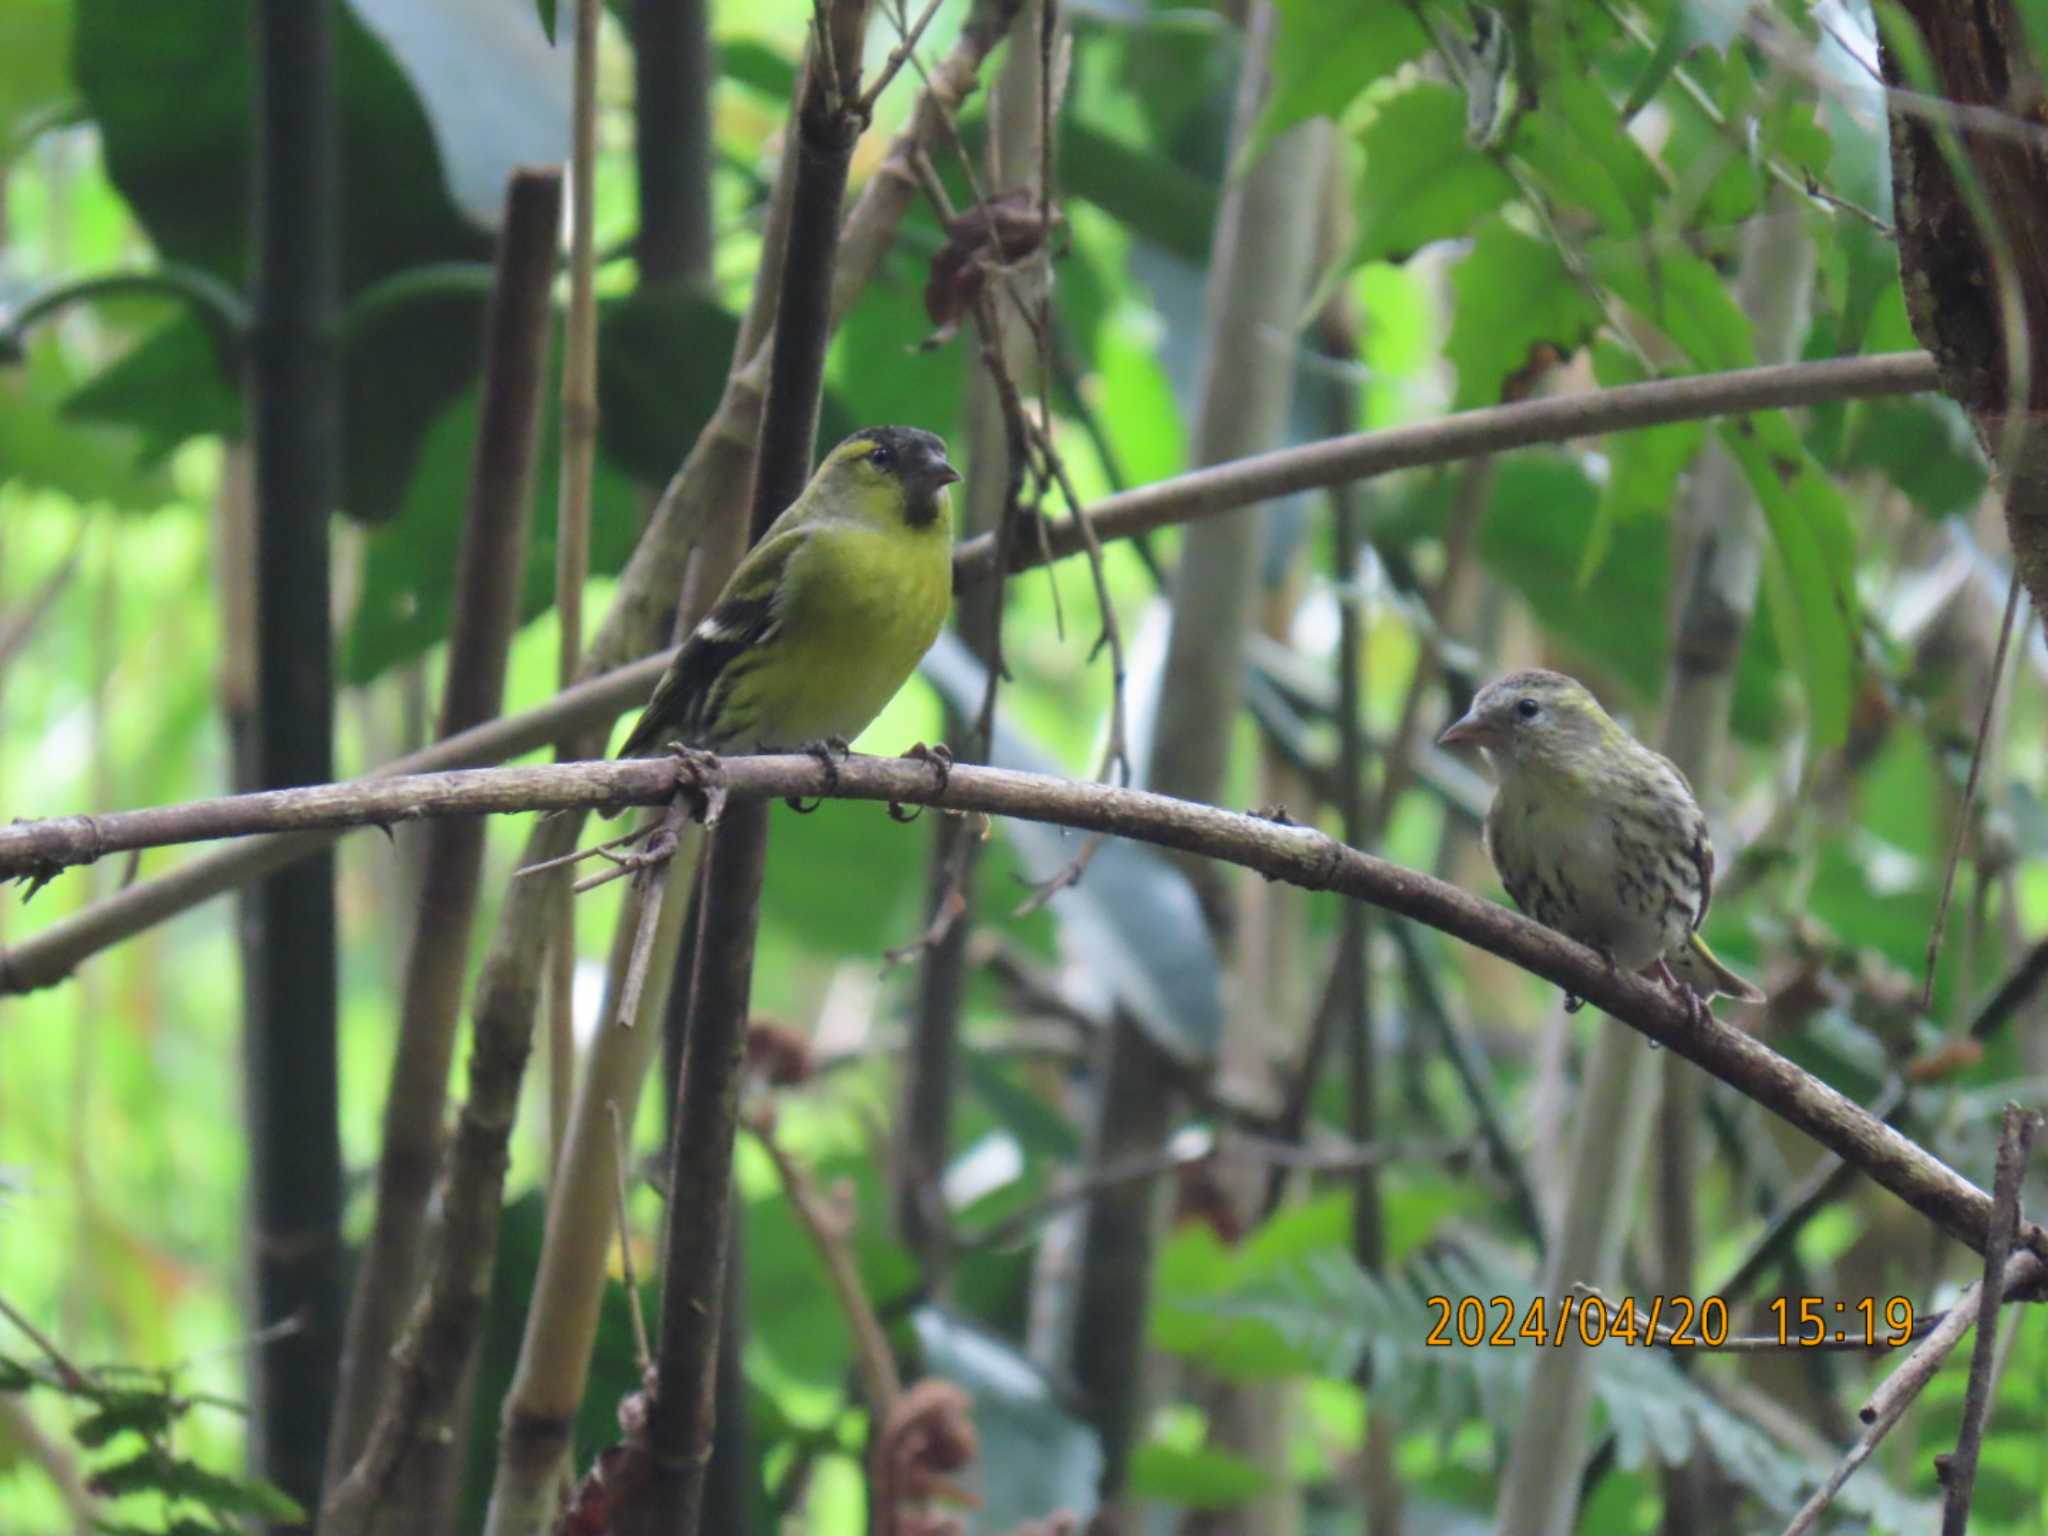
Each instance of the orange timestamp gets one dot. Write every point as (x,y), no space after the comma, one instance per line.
(1676,1322)
(1672,1322)
(1811,1321)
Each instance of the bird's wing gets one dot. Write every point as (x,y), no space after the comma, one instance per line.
(1701,850)
(1703,856)
(744,618)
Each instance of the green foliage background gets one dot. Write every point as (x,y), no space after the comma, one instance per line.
(1603,225)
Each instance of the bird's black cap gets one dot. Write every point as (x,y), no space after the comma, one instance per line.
(915,454)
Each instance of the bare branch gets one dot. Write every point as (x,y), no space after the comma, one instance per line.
(49,956)
(1362,455)
(1888,1404)
(1962,833)
(1959,1471)
(1300,855)
(830,1231)
(490,570)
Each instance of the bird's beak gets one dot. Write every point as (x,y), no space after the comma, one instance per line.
(1468,730)
(939,475)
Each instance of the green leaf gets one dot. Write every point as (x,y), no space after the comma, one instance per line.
(1683,296)
(1040,1128)
(1580,149)
(839,886)
(1698,149)
(794,1321)
(1859,170)
(168,387)
(546,11)
(1643,466)
(1132,919)
(613,1371)
(144,1413)
(35,44)
(1539,526)
(877,359)
(1423,179)
(1176,67)
(1923,446)
(1879,887)
(1153,195)
(170,92)
(1686,28)
(1037,1457)
(1291,1300)
(1510,295)
(156,1471)
(662,355)
(1141,416)
(1208,1478)
(1809,580)
(408,590)
(41,447)
(481,136)
(1327,51)
(760,68)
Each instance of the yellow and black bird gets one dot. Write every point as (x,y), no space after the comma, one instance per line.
(827,616)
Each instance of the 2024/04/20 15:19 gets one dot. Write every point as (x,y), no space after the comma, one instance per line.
(1673,1322)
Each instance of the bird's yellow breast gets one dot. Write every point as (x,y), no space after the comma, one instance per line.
(858,610)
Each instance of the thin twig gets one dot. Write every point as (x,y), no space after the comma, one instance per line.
(1281,472)
(652,875)
(1888,1404)
(643,1353)
(1820,1188)
(1467,1066)
(578,856)
(15,631)
(898,57)
(1018,1225)
(1955,847)
(2013,994)
(1959,1471)
(572,535)
(829,1231)
(73,1377)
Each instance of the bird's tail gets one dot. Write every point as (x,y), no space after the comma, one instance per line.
(1702,970)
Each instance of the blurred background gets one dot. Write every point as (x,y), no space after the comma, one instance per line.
(1161,1163)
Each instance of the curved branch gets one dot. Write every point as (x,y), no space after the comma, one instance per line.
(1278,850)
(1362,455)
(50,955)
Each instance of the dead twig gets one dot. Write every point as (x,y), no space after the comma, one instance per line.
(829,1225)
(1958,1471)
(643,1354)
(1955,847)
(898,57)
(1888,1404)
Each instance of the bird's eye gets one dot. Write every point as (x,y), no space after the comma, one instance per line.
(1528,709)
(882,457)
